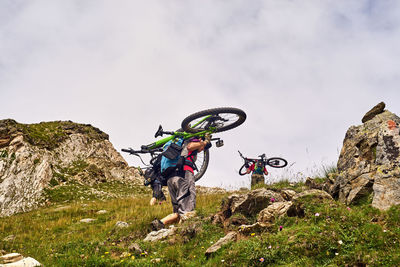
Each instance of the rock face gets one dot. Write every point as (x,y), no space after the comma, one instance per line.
(44,155)
(369,161)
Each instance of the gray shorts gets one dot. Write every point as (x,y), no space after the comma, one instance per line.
(182,192)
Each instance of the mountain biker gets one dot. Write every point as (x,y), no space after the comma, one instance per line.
(181,185)
(259,170)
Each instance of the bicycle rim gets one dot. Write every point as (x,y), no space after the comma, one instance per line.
(202,164)
(241,171)
(276,162)
(216,119)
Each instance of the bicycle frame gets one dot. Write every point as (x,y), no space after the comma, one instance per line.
(184,135)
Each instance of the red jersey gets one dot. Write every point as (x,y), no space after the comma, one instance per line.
(189,158)
(252,167)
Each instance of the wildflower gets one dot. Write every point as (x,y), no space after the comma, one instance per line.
(384,231)
(133,257)
(202,247)
(280,228)
(102,256)
(316,214)
(269,246)
(113,243)
(272,199)
(253,234)
(340,242)
(261,259)
(348,208)
(336,253)
(222,260)
(106,252)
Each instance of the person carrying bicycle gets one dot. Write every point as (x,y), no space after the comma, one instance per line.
(259,170)
(181,185)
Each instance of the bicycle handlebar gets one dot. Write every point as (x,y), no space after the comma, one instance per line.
(142,151)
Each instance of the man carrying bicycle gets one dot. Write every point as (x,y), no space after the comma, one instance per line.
(181,185)
(259,170)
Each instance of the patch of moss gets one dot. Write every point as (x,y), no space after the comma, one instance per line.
(49,135)
(53,182)
(4,154)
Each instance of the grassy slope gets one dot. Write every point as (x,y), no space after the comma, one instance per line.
(340,235)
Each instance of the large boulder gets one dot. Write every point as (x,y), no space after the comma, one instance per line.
(369,161)
(248,204)
(34,157)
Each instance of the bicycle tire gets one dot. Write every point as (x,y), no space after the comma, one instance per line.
(241,168)
(276,162)
(204,164)
(218,125)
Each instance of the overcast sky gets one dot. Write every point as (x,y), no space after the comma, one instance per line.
(303,71)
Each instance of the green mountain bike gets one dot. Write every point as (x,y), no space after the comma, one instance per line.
(196,125)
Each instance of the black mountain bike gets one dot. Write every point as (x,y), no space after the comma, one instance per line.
(275,162)
(197,125)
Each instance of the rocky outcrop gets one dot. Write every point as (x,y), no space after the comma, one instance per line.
(34,157)
(369,161)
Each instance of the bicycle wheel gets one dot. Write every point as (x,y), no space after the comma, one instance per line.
(243,170)
(202,164)
(276,162)
(222,119)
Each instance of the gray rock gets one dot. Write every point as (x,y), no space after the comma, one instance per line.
(25,262)
(101,212)
(288,194)
(11,257)
(230,237)
(9,238)
(252,202)
(276,210)
(386,192)
(315,193)
(255,227)
(369,161)
(159,235)
(135,248)
(121,225)
(373,112)
(87,220)
(62,208)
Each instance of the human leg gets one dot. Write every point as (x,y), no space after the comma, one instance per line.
(257,179)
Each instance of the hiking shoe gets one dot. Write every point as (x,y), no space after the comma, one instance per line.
(157,225)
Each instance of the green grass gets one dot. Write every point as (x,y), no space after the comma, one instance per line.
(355,236)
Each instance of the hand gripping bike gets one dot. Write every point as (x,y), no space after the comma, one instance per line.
(275,162)
(197,125)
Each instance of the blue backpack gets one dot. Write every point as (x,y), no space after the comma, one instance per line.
(259,168)
(171,155)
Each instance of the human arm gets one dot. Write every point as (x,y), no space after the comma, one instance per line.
(199,146)
(250,168)
(265,171)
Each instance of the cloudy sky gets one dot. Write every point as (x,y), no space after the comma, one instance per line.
(303,71)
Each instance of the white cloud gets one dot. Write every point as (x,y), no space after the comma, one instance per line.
(303,71)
